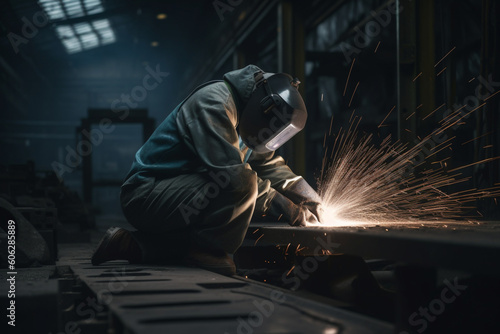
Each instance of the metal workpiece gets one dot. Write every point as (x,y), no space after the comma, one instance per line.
(173,299)
(472,247)
(395,272)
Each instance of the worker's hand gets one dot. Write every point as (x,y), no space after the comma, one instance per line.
(308,217)
(316,209)
(295,215)
(301,193)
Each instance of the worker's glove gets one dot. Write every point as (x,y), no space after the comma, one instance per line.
(301,193)
(316,209)
(296,215)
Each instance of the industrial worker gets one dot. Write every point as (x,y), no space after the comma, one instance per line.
(209,168)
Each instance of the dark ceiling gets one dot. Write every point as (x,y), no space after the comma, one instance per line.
(179,42)
(135,24)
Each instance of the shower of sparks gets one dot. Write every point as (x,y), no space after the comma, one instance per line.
(380,125)
(286,250)
(364,183)
(441,71)
(354,92)
(256,241)
(448,125)
(417,76)
(352,114)
(474,139)
(348,76)
(476,163)
(489,97)
(376,48)
(413,113)
(446,55)
(452,115)
(434,111)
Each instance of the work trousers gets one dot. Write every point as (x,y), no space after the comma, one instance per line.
(174,214)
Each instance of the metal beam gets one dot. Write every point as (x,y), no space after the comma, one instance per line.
(462,246)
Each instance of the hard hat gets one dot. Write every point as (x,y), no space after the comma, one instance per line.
(274,113)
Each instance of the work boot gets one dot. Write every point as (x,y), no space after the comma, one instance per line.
(211,259)
(117,244)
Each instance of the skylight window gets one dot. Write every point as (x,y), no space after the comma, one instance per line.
(83,36)
(58,10)
(103,29)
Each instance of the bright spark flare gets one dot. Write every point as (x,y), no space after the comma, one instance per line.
(365,184)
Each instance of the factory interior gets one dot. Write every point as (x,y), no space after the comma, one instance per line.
(400,143)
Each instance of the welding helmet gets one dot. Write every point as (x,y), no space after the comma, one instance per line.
(274,113)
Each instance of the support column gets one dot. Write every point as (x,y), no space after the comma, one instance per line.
(426,58)
(291,60)
(407,71)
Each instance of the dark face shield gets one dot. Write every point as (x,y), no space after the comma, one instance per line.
(273,115)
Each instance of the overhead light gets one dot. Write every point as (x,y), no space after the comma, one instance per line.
(79,36)
(83,36)
(161,16)
(154,44)
(64,9)
(103,29)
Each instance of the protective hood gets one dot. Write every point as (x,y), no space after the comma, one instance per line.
(270,107)
(242,83)
(274,113)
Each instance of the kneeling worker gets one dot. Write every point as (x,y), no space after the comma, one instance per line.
(209,168)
